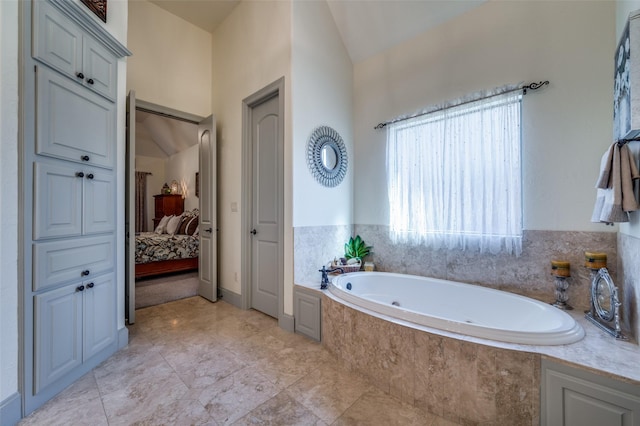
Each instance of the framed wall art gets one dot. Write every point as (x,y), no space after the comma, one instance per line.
(99,7)
(626,92)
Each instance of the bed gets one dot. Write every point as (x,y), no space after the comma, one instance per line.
(162,252)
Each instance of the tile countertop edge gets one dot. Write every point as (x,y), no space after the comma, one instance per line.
(597,351)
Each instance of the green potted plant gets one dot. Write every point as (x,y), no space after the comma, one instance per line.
(354,252)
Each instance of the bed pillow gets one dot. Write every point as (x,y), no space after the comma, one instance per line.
(162,225)
(192,225)
(173,225)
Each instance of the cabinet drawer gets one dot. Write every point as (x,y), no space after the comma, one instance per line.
(57,262)
(73,123)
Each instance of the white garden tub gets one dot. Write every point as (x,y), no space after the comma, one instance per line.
(461,308)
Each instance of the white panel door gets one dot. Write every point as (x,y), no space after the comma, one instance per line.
(99,199)
(58,334)
(57,200)
(207,262)
(99,322)
(72,122)
(267,201)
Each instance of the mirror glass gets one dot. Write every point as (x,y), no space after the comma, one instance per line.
(329,157)
(602,300)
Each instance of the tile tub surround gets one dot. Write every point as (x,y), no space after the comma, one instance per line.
(629,283)
(314,246)
(528,275)
(463,379)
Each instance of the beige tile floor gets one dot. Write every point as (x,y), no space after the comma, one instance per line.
(192,362)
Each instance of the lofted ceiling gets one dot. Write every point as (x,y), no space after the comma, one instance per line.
(367,27)
(161,137)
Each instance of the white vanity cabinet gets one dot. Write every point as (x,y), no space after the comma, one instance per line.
(72,324)
(576,397)
(61,44)
(72,200)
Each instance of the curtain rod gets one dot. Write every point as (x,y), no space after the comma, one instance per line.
(531,86)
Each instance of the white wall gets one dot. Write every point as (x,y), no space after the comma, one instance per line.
(566,127)
(171,62)
(182,167)
(9,199)
(322,90)
(155,181)
(252,49)
(623,8)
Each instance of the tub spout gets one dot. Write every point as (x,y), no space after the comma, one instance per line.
(325,277)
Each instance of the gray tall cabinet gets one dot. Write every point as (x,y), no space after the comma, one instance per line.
(69,204)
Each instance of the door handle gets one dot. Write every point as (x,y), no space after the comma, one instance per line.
(253,231)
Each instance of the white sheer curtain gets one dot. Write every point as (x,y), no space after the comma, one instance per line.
(454,177)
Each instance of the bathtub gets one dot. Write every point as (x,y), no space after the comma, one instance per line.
(457,307)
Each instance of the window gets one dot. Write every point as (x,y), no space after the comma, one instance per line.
(454,177)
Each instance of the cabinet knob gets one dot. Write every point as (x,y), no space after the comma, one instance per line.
(85,272)
(80,288)
(90,176)
(79,174)
(85,158)
(80,75)
(90,285)
(90,81)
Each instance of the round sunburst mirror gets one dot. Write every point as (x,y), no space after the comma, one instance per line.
(327,156)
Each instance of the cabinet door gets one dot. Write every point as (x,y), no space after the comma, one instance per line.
(56,40)
(99,67)
(58,334)
(57,200)
(99,202)
(99,321)
(72,122)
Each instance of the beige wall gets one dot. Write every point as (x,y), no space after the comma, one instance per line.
(171,62)
(566,127)
(182,167)
(252,48)
(322,92)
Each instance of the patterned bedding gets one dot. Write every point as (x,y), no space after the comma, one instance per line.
(151,247)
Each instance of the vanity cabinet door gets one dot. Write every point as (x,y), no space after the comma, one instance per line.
(56,40)
(99,322)
(73,123)
(57,200)
(99,68)
(99,199)
(58,334)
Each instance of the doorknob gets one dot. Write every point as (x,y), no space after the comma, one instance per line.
(253,231)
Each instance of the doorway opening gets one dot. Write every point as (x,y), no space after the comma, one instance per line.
(163,205)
